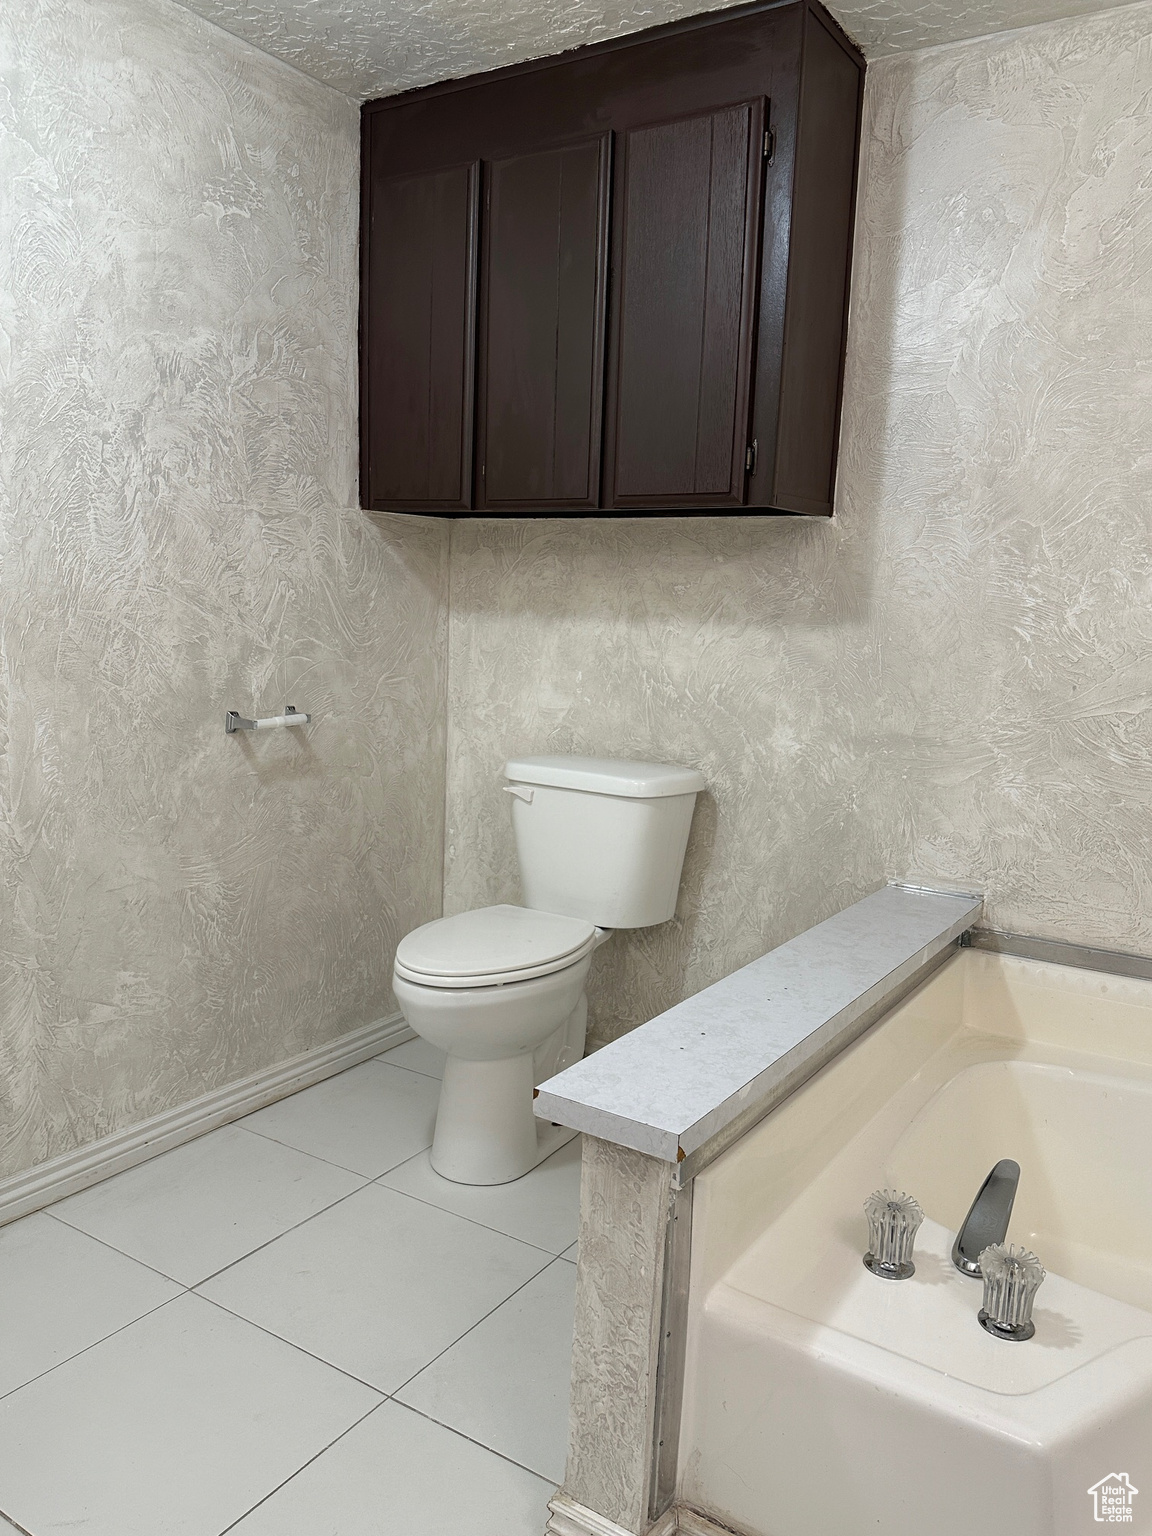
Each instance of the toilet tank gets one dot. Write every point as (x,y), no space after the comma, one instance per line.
(601,838)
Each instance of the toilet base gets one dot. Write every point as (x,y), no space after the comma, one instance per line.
(486,1132)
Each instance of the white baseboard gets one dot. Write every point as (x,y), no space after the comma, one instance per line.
(571,1519)
(689,1523)
(74,1171)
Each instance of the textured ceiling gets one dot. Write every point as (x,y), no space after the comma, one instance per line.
(373,48)
(370,48)
(898,26)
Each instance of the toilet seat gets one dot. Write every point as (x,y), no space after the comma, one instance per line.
(492,947)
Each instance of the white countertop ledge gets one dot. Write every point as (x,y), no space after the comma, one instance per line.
(674,1083)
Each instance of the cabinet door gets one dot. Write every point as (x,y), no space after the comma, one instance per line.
(541,331)
(687,214)
(419,326)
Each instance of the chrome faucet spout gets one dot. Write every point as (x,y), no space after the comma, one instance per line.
(987,1221)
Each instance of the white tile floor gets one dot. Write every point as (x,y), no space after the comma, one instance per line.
(292,1327)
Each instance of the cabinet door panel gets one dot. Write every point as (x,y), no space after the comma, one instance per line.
(419,339)
(687,210)
(541,361)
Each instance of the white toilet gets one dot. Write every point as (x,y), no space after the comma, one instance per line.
(600,844)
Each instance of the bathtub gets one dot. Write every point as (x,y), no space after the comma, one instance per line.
(822,1401)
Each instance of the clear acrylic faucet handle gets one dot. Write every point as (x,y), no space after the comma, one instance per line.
(893,1221)
(1012,1276)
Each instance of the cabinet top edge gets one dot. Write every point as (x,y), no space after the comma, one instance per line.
(685,24)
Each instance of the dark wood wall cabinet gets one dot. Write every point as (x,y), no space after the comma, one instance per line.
(614,282)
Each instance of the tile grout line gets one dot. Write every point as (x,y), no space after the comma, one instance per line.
(295,1227)
(367,1179)
(418,1071)
(184,1289)
(315,1156)
(427,1417)
(479,1444)
(473,1219)
(491,1313)
(385,1396)
(340,1370)
(291,1343)
(380,1062)
(111,1247)
(366,1182)
(264,1135)
(272,1492)
(96,1343)
(386,1393)
(205,1278)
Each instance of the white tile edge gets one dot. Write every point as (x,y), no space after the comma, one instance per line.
(71,1172)
(673,1146)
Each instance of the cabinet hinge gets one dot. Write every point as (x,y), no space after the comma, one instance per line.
(769,144)
(750,458)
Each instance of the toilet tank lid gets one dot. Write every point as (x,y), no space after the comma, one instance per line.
(606,776)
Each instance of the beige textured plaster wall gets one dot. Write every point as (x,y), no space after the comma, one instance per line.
(953,678)
(179,534)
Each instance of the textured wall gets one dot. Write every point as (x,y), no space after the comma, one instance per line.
(625,1206)
(179,534)
(953,678)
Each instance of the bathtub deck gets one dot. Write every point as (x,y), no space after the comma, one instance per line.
(678,1081)
(820,1398)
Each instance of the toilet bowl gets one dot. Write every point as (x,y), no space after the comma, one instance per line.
(497,989)
(500,989)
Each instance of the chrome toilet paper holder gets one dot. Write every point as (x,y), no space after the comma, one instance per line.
(292,716)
